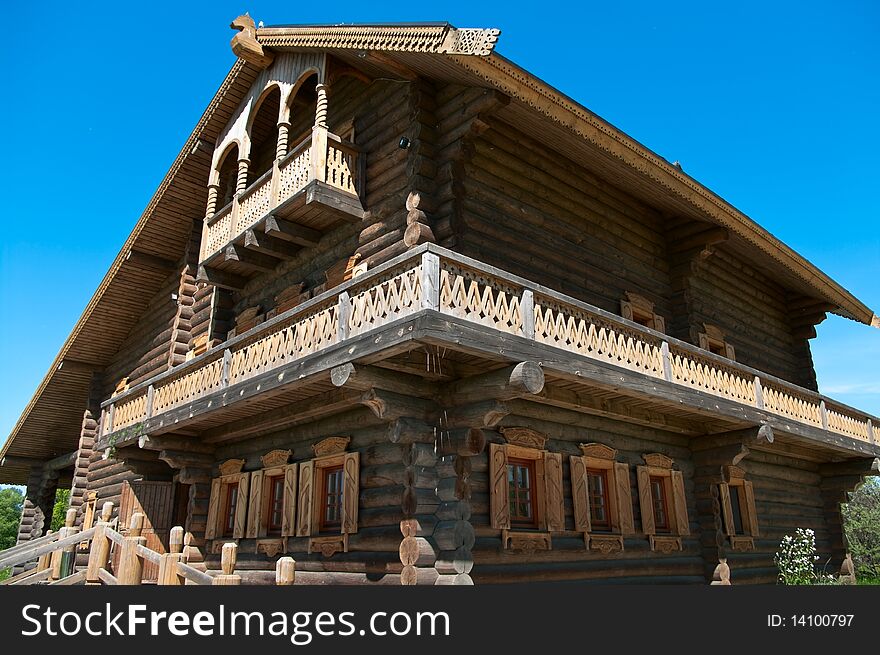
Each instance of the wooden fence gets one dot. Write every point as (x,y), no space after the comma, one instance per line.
(56,557)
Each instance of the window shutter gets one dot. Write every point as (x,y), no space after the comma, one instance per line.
(580,500)
(350,492)
(731,353)
(679,501)
(750,505)
(213,507)
(499,501)
(288,518)
(304,502)
(726,508)
(703,340)
(624,498)
(553,497)
(645,504)
(255,505)
(241,506)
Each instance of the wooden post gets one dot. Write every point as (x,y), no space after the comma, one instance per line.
(227,362)
(721,575)
(319,154)
(151,391)
(111,412)
(68,555)
(99,554)
(527,311)
(131,565)
(168,574)
(227,562)
(321,105)
(285,571)
(430,281)
(823,414)
(57,561)
(667,363)
(283,137)
(759,393)
(44,560)
(343,313)
(871,437)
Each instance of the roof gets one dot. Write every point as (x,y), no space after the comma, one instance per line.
(50,424)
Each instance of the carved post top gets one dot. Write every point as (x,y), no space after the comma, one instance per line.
(136,525)
(69,518)
(228,557)
(107,511)
(175,539)
(245,44)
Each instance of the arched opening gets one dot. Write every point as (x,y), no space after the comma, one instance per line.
(228,174)
(264,135)
(302,111)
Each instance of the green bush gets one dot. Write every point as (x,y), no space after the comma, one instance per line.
(861,522)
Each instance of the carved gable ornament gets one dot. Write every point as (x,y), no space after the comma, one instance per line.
(658,460)
(525,437)
(276,458)
(331,446)
(598,450)
(231,466)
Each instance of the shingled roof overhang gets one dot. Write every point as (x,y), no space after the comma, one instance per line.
(49,425)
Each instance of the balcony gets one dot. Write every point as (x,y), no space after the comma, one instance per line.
(318,184)
(431,295)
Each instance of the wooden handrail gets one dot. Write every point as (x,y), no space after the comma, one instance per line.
(194,575)
(255,185)
(28,577)
(220,213)
(48,547)
(107,577)
(148,554)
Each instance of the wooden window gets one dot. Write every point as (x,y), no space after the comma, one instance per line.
(662,502)
(522,492)
(597,489)
(738,514)
(526,500)
(228,505)
(601,497)
(272,505)
(328,496)
(713,340)
(230,502)
(330,499)
(639,309)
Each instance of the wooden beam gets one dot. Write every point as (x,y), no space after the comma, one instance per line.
(269,245)
(389,406)
(862,466)
(517,381)
(700,240)
(54,464)
(292,232)
(147,260)
(221,279)
(178,459)
(485,414)
(254,261)
(284,417)
(170,442)
(364,378)
(74,366)
(618,409)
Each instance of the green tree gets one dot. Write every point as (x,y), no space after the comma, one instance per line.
(62,502)
(861,521)
(11,500)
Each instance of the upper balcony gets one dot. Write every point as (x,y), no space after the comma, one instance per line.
(479,317)
(307,192)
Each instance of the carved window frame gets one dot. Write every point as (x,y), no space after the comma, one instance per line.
(275,465)
(330,453)
(713,339)
(658,465)
(638,309)
(230,473)
(548,503)
(596,456)
(735,482)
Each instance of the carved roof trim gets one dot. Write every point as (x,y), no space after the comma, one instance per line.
(439,38)
(331,446)
(526,437)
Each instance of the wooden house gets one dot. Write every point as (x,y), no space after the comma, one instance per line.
(407,313)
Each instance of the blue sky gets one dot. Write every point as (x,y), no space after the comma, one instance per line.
(774,106)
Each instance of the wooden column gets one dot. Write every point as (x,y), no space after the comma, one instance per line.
(228,557)
(131,565)
(99,554)
(322,91)
(282,144)
(285,571)
(241,181)
(168,574)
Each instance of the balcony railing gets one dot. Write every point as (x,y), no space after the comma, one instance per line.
(430,277)
(321,157)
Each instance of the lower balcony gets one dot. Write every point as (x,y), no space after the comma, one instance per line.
(432,316)
(319,184)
